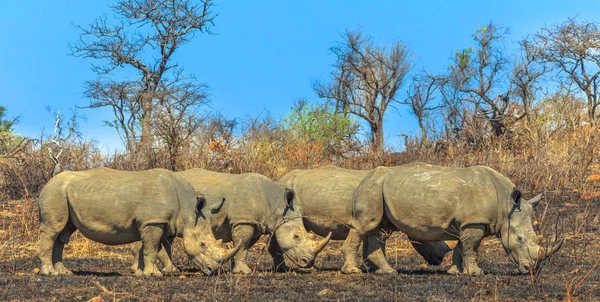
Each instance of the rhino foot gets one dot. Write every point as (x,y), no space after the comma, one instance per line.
(152,273)
(453,270)
(282,268)
(473,271)
(62,270)
(385,271)
(170,270)
(241,268)
(351,269)
(48,270)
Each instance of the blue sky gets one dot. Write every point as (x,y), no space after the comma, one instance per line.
(263,56)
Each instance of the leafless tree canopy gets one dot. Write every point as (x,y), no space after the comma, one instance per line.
(420,99)
(365,80)
(144,37)
(573,49)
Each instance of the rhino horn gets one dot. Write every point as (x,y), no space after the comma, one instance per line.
(550,252)
(232,252)
(322,243)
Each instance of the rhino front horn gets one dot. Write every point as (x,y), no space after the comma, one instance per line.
(232,252)
(321,244)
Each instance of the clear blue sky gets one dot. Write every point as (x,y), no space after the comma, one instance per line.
(263,56)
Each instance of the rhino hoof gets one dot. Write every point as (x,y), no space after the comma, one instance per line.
(351,270)
(241,268)
(386,271)
(282,268)
(170,270)
(453,270)
(62,270)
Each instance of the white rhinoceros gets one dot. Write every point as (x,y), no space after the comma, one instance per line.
(437,203)
(117,207)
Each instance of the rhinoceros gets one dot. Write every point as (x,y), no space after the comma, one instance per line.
(438,203)
(255,205)
(118,207)
(325,195)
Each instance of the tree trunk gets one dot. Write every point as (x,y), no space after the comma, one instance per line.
(423,133)
(377,138)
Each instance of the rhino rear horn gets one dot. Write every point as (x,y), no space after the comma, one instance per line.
(555,248)
(322,243)
(229,254)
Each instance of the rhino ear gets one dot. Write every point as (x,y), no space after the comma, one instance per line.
(200,203)
(534,201)
(516,196)
(289,197)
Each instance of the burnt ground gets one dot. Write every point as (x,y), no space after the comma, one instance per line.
(101,273)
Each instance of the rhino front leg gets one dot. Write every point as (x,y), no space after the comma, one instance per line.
(165,256)
(242,233)
(464,258)
(350,250)
(276,252)
(151,243)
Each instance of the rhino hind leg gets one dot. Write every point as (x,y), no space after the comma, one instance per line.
(57,250)
(374,252)
(350,251)
(54,216)
(464,258)
(276,252)
(243,233)
(151,243)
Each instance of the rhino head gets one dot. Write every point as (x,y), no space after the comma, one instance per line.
(519,240)
(200,244)
(293,238)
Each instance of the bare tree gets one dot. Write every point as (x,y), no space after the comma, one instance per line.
(572,47)
(482,73)
(63,132)
(526,76)
(365,80)
(421,94)
(177,119)
(145,38)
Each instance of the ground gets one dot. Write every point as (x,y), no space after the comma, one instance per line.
(101,272)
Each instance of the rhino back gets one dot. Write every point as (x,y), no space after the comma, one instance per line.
(104,202)
(427,202)
(245,198)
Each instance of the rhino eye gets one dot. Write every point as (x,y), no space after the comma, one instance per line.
(520,238)
(202,244)
(296,237)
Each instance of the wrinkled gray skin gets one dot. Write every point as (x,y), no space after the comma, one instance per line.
(117,207)
(255,205)
(325,195)
(436,203)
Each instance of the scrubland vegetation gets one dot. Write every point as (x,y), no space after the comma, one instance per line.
(530,113)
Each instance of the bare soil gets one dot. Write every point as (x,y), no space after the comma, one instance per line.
(102,273)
